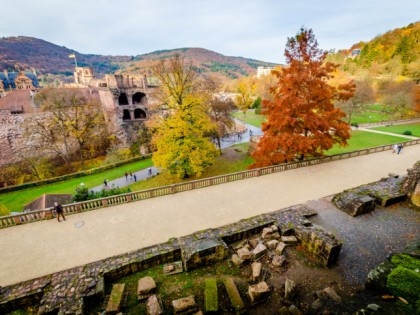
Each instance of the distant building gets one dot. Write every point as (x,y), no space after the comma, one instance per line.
(354,53)
(10,81)
(264,71)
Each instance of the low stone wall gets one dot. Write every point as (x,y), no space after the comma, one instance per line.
(66,291)
(359,200)
(411,184)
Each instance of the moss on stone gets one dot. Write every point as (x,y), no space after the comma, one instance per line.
(211,296)
(405,283)
(233,293)
(406,261)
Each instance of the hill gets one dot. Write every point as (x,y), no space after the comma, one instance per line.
(48,58)
(204,61)
(396,52)
(45,57)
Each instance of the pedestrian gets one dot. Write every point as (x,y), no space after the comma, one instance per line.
(250,133)
(400,146)
(135,177)
(357,126)
(60,211)
(126,176)
(131,176)
(394,148)
(105,183)
(149,171)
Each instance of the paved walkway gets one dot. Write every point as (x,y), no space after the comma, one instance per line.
(388,133)
(36,249)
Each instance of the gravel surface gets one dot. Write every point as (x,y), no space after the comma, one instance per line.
(367,239)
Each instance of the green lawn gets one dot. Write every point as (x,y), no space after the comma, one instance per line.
(234,159)
(250,118)
(399,129)
(369,117)
(14,201)
(365,139)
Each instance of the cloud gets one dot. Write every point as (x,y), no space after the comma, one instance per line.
(255,29)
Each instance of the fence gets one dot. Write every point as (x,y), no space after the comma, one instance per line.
(38,215)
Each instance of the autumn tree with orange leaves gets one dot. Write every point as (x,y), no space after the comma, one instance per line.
(301,118)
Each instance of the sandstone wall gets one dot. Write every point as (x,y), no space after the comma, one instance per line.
(10,134)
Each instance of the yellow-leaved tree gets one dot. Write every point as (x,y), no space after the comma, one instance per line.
(181,125)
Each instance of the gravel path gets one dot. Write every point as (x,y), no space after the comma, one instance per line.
(367,239)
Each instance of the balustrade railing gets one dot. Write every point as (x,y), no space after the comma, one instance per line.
(44,214)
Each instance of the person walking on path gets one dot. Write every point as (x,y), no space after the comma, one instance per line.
(400,146)
(135,177)
(126,176)
(105,183)
(394,148)
(60,211)
(149,171)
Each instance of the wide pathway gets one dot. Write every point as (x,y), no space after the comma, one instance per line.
(36,249)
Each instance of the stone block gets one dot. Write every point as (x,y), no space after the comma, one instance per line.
(154,306)
(256,268)
(289,240)
(254,242)
(266,232)
(289,289)
(272,244)
(258,292)
(173,268)
(274,228)
(234,296)
(244,254)
(184,305)
(236,260)
(278,261)
(259,251)
(211,301)
(145,287)
(415,197)
(280,248)
(330,292)
(115,299)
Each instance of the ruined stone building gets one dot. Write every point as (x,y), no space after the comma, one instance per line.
(124,99)
(16,101)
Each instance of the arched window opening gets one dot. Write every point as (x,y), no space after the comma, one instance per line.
(126,115)
(138,98)
(122,99)
(139,114)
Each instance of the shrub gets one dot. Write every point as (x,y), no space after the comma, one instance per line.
(407,133)
(405,283)
(83,193)
(4,211)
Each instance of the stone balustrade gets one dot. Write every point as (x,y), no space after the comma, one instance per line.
(45,214)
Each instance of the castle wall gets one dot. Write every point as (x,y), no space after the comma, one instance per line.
(10,134)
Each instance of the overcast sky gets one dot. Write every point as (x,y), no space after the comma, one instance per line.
(246,28)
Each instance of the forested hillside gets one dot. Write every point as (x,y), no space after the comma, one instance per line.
(47,58)
(393,53)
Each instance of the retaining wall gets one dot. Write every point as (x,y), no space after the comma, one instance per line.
(66,291)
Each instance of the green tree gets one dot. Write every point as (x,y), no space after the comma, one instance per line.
(302,119)
(179,133)
(244,98)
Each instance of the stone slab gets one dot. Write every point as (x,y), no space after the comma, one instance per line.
(115,299)
(234,296)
